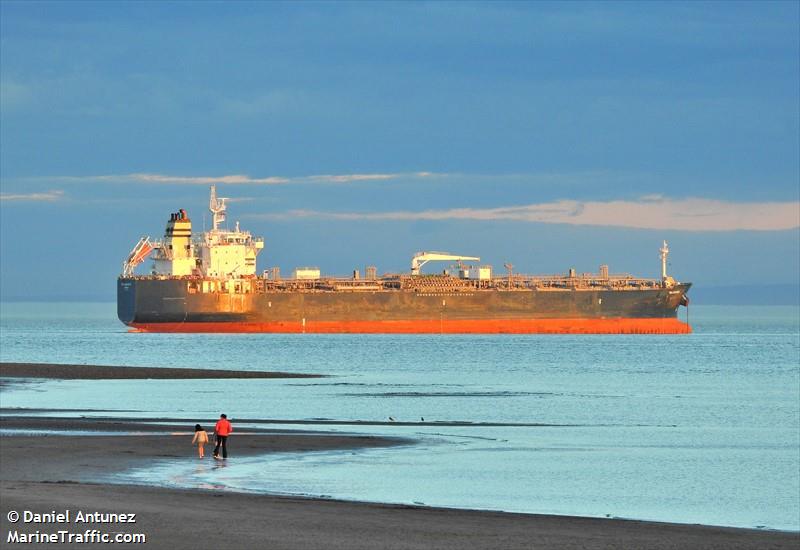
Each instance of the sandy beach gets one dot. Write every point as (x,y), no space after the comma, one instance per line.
(55,473)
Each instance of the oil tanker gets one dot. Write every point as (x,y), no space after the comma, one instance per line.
(209,282)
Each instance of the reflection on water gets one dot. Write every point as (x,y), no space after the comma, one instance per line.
(703,428)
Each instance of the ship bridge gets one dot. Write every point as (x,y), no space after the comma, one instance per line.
(219,253)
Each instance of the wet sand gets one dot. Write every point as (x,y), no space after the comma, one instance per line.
(179,519)
(96,372)
(45,473)
(84,458)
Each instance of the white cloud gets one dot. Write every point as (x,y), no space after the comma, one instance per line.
(49,196)
(652,212)
(345,178)
(200,180)
(235,179)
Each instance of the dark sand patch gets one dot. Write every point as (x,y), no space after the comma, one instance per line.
(100,372)
(182,519)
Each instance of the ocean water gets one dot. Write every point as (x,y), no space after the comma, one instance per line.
(701,428)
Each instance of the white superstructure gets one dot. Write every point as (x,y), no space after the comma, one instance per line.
(219,253)
(227,254)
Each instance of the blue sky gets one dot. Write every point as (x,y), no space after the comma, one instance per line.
(551,135)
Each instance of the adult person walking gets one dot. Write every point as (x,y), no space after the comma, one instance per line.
(222,430)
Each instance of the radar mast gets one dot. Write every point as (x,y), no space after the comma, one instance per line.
(217,207)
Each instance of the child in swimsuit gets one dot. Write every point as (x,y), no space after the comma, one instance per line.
(200,438)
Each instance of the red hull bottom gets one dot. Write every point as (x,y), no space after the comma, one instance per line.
(493,326)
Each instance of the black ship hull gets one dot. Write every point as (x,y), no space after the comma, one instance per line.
(181,305)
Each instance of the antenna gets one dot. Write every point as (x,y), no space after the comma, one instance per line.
(217,208)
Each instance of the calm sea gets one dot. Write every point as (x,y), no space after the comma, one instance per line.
(703,428)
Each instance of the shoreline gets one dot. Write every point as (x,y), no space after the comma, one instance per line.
(120,445)
(58,471)
(9,416)
(45,473)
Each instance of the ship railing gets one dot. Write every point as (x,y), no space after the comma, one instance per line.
(432,283)
(582,281)
(425,285)
(326,284)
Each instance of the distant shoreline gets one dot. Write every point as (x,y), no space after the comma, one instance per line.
(105,372)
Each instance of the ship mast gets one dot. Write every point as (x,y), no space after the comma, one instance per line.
(217,208)
(664,252)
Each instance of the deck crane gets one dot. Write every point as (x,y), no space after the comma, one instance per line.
(421,258)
